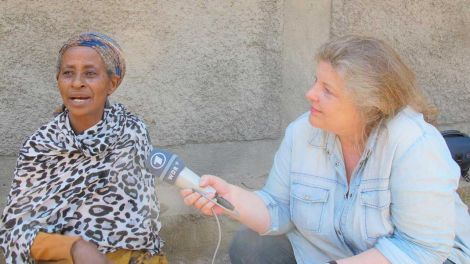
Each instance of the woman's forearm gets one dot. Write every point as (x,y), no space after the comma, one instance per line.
(251,209)
(371,256)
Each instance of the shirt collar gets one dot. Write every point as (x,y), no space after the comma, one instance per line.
(327,140)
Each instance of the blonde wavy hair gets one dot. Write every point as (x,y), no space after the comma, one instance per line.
(377,79)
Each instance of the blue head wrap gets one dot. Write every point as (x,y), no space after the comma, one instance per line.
(107,48)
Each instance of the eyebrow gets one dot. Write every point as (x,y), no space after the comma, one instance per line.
(329,86)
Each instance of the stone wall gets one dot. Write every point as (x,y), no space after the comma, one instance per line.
(218,81)
(198,71)
(433,37)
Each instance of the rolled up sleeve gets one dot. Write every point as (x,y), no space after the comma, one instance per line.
(276,192)
(53,247)
(279,214)
(423,183)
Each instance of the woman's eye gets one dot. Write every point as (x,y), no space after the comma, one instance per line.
(67,73)
(90,74)
(327,91)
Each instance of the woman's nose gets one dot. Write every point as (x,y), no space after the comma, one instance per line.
(77,81)
(311,94)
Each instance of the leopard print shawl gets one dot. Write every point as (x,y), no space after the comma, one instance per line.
(94,185)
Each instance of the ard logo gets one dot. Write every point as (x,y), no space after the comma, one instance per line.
(158,160)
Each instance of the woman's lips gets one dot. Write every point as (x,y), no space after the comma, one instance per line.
(313,110)
(79,100)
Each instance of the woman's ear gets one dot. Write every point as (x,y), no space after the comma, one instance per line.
(113,85)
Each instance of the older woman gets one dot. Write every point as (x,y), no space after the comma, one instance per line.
(81,189)
(361,178)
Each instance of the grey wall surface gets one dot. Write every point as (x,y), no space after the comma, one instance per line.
(218,81)
(432,36)
(198,71)
(306,27)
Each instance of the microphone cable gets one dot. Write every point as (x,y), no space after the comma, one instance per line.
(235,213)
(220,235)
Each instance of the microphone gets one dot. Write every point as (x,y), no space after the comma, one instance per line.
(171,169)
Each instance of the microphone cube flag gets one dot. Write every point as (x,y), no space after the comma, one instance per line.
(165,165)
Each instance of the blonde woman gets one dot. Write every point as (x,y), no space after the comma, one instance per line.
(363,177)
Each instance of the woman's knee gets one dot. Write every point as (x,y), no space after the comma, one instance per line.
(244,246)
(249,247)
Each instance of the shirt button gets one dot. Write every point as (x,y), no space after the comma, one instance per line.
(337,164)
(306,197)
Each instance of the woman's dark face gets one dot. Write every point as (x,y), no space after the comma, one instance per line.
(84,85)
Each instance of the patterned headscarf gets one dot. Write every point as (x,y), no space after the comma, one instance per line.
(107,48)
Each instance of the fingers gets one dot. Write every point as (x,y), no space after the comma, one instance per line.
(221,186)
(206,208)
(198,201)
(185,192)
(191,198)
(210,180)
(204,204)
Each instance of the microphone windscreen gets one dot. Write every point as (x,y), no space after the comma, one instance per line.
(165,165)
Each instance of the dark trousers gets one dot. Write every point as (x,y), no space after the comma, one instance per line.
(249,247)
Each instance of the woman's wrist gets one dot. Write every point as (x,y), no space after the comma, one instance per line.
(75,246)
(73,249)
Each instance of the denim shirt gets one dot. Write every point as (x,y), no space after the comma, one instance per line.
(401,198)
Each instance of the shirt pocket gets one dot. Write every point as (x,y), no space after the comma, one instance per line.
(376,206)
(308,206)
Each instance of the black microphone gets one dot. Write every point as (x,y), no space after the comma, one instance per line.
(170,168)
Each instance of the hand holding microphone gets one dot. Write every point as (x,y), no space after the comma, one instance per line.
(192,198)
(170,168)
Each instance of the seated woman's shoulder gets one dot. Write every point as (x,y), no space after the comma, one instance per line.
(409,126)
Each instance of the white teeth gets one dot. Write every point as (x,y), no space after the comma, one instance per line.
(79,100)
